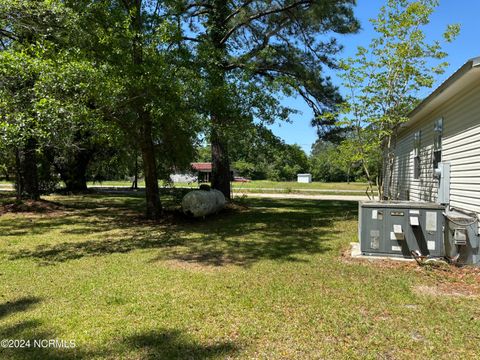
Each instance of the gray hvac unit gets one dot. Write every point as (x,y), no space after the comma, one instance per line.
(397,228)
(462,241)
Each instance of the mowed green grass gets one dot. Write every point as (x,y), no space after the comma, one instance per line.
(265,184)
(267,281)
(257,184)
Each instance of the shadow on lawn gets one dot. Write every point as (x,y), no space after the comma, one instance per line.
(27,331)
(30,331)
(172,344)
(164,344)
(270,229)
(21,304)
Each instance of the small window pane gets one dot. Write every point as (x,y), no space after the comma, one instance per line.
(416,144)
(416,168)
(438,132)
(437,157)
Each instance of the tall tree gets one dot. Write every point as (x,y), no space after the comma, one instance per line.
(383,82)
(274,46)
(97,64)
(142,82)
(27,30)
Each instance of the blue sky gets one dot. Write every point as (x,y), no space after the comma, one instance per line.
(466,46)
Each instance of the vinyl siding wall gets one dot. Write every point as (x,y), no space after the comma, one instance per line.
(460,148)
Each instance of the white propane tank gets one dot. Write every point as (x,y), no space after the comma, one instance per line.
(200,203)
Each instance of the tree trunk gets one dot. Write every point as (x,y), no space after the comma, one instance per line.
(390,150)
(219,99)
(30,172)
(369,192)
(152,195)
(74,175)
(221,175)
(135,175)
(7,174)
(154,206)
(26,172)
(18,175)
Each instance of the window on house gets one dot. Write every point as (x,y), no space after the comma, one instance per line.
(416,155)
(437,142)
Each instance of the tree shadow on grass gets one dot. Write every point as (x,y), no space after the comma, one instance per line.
(20,337)
(166,344)
(34,336)
(85,214)
(275,230)
(49,255)
(31,332)
(21,304)
(173,344)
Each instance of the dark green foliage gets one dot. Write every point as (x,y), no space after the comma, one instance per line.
(383,83)
(86,81)
(257,154)
(325,164)
(261,49)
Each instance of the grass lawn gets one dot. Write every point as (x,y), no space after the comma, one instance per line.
(256,184)
(265,186)
(263,281)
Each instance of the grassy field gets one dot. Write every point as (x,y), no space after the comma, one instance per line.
(257,186)
(265,279)
(260,186)
(265,184)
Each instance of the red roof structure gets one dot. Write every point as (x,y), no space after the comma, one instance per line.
(202,167)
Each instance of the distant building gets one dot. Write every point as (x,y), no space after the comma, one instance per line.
(304,178)
(203,170)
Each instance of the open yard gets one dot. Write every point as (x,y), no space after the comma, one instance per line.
(261,185)
(256,186)
(264,279)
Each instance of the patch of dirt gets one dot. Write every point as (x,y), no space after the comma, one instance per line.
(31,206)
(236,206)
(445,280)
(194,266)
(347,258)
(448,289)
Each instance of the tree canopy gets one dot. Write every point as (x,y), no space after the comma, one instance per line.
(383,83)
(251,51)
(144,79)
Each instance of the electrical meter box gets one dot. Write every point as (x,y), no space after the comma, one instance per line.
(395,228)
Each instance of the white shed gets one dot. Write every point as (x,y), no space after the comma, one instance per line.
(304,178)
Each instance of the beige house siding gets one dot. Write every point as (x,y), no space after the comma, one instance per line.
(460,148)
